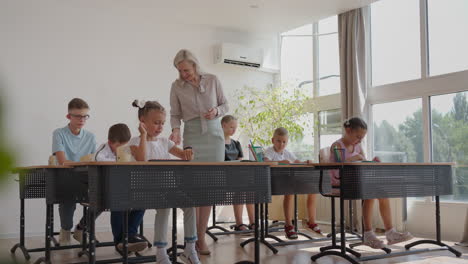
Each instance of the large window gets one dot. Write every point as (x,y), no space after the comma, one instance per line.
(398,131)
(395,37)
(449,130)
(329,61)
(329,127)
(303,147)
(425,38)
(310,60)
(310,57)
(448,41)
(297,57)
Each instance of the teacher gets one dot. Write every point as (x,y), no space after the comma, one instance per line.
(197,98)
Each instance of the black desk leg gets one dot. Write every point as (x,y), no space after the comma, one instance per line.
(438,240)
(48,235)
(21,245)
(214,225)
(84,244)
(264,228)
(173,250)
(150,245)
(54,240)
(257,242)
(125,238)
(256,239)
(263,233)
(92,235)
(174,235)
(326,251)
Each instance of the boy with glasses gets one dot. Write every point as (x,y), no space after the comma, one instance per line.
(70,143)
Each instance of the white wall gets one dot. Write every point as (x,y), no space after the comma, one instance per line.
(52,51)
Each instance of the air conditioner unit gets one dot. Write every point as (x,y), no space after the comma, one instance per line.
(239,55)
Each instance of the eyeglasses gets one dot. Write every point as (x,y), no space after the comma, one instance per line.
(80,117)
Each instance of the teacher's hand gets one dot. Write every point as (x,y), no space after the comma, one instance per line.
(175,136)
(211,114)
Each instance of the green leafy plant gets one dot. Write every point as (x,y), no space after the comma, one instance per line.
(260,112)
(6,159)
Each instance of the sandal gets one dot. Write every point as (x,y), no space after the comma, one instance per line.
(314,227)
(241,227)
(290,233)
(201,251)
(252,226)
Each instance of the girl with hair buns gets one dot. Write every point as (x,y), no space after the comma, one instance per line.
(149,145)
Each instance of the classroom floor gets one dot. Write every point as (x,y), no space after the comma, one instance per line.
(227,250)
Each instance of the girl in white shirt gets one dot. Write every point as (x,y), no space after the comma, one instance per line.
(149,146)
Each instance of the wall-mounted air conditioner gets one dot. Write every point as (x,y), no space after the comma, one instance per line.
(239,55)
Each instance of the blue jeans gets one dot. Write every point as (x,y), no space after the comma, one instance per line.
(135,218)
(66,211)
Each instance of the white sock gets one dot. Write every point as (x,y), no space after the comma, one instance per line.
(161,251)
(189,247)
(388,232)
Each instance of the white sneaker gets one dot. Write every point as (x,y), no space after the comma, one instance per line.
(65,237)
(162,258)
(190,257)
(371,240)
(78,235)
(394,237)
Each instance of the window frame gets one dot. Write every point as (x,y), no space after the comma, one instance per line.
(317,103)
(423,88)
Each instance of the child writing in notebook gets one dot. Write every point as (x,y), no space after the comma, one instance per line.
(119,135)
(150,145)
(233,151)
(348,149)
(279,153)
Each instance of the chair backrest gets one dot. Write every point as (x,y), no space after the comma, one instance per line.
(88,158)
(324,155)
(52,160)
(124,154)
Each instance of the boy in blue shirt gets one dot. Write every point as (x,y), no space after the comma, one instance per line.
(70,143)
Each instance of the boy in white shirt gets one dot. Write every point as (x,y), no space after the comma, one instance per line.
(279,153)
(119,135)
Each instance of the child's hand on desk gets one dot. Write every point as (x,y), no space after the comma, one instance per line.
(357,157)
(142,129)
(376,159)
(188,154)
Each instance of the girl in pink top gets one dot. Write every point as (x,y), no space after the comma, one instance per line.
(348,149)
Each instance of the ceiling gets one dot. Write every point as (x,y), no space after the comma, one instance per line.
(256,16)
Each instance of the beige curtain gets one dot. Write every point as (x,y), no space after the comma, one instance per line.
(353,62)
(353,72)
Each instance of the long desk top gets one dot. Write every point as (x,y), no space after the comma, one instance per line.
(384,164)
(68,165)
(169,163)
(19,169)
